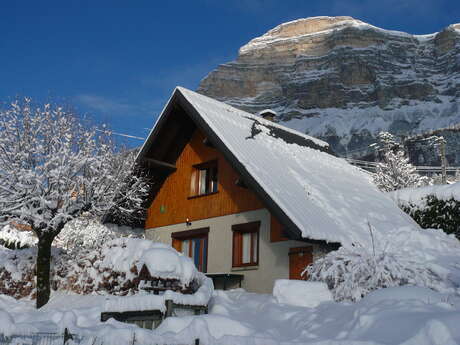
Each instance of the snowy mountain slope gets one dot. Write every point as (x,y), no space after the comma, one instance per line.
(343,80)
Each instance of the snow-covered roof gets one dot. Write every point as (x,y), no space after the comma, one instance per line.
(313,193)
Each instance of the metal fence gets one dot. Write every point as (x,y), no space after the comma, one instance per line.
(43,339)
(65,338)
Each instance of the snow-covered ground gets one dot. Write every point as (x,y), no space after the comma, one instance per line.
(298,312)
(403,315)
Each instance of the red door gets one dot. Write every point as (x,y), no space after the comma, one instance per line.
(299,259)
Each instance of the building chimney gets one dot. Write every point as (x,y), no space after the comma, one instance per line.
(268,114)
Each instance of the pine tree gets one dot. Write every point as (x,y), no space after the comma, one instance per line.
(394,171)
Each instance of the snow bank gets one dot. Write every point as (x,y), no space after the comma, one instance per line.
(209,327)
(6,323)
(404,293)
(238,317)
(301,293)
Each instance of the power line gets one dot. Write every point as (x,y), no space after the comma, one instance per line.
(422,168)
(121,134)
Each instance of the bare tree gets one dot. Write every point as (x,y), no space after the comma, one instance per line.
(53,168)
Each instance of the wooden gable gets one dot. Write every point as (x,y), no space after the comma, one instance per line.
(174,203)
(178,142)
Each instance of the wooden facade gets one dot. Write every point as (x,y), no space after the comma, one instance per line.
(175,202)
(276,230)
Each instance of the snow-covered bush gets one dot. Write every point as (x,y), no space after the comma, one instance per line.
(353,272)
(84,233)
(427,258)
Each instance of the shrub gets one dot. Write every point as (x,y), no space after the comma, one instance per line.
(352,272)
(436,213)
(84,233)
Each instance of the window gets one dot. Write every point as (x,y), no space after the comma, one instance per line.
(204,179)
(246,244)
(194,244)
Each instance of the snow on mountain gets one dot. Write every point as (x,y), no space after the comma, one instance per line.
(343,80)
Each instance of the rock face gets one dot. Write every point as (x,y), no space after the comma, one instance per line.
(343,80)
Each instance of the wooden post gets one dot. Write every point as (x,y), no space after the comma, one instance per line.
(443,160)
(67,336)
(169,308)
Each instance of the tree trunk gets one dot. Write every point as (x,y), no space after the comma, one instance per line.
(43,269)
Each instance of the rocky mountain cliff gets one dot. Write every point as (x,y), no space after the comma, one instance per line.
(343,80)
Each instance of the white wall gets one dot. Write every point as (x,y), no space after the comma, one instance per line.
(273,257)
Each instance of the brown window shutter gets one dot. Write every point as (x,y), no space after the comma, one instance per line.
(177,244)
(193,183)
(237,248)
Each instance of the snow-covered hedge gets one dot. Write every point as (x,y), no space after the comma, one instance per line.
(433,206)
(109,269)
(85,232)
(14,238)
(427,258)
(89,233)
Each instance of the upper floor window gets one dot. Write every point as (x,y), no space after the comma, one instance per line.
(204,178)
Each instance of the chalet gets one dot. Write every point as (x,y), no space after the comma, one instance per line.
(244,196)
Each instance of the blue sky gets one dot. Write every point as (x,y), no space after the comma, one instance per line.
(118,61)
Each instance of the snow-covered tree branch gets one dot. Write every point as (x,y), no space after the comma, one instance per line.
(53,169)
